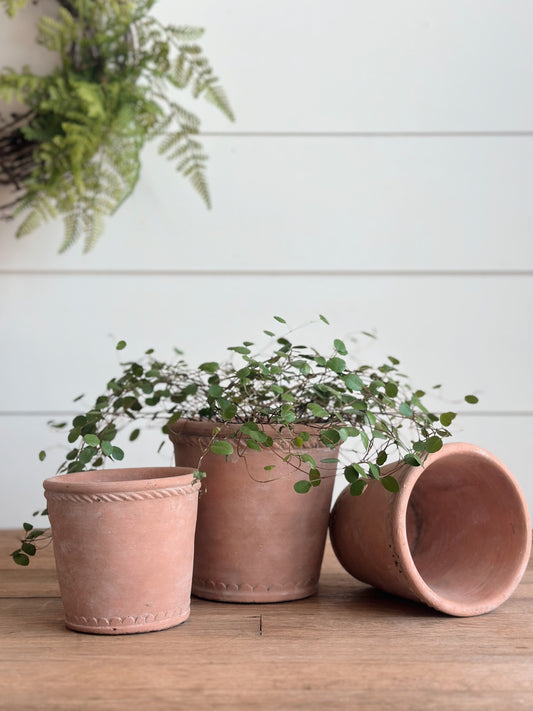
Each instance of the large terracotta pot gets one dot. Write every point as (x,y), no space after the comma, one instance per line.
(257,540)
(123,544)
(457,536)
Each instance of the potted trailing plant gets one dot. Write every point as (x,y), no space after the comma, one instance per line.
(74,150)
(292,407)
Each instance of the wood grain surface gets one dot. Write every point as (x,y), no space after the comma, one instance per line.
(349,647)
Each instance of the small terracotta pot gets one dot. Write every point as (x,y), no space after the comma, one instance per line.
(457,536)
(257,540)
(123,544)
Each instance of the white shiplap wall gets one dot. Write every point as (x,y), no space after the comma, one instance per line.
(379,172)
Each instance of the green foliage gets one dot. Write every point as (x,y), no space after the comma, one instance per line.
(89,119)
(373,414)
(13,6)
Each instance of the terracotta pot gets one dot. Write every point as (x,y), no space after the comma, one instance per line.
(257,540)
(457,536)
(123,544)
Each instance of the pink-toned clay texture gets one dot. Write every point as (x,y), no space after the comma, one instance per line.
(457,536)
(257,540)
(124,544)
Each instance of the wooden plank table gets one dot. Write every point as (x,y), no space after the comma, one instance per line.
(349,647)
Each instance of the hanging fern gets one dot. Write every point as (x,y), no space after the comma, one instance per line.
(75,152)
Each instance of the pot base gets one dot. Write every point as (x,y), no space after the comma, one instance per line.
(245,593)
(130,624)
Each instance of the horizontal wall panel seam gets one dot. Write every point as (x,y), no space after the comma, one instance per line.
(367,134)
(281,273)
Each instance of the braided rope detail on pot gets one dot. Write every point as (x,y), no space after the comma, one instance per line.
(122,496)
(284,445)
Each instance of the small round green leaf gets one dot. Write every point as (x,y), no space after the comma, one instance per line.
(87,454)
(73,435)
(433,444)
(221,447)
(405,409)
(330,438)
(337,365)
(391,389)
(374,470)
(353,382)
(107,448)
(381,458)
(29,548)
(210,367)
(317,410)
(340,347)
(357,488)
(351,474)
(472,399)
(309,460)
(117,454)
(447,418)
(228,412)
(21,559)
(390,483)
(92,439)
(35,533)
(42,455)
(412,460)
(121,345)
(302,487)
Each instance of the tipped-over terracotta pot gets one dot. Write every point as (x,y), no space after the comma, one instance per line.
(257,540)
(123,544)
(457,536)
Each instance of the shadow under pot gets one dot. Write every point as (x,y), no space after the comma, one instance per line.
(457,536)
(123,545)
(257,540)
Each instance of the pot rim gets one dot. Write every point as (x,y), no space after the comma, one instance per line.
(204,428)
(120,479)
(400,541)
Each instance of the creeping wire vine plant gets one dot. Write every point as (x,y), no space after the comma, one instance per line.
(372,412)
(75,149)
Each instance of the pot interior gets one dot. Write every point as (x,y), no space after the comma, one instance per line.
(467,528)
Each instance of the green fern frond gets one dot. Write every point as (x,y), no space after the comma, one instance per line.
(199,183)
(169,142)
(183,72)
(185,118)
(55,35)
(72,230)
(217,96)
(13,6)
(184,33)
(90,117)
(20,85)
(178,152)
(31,223)
(93,230)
